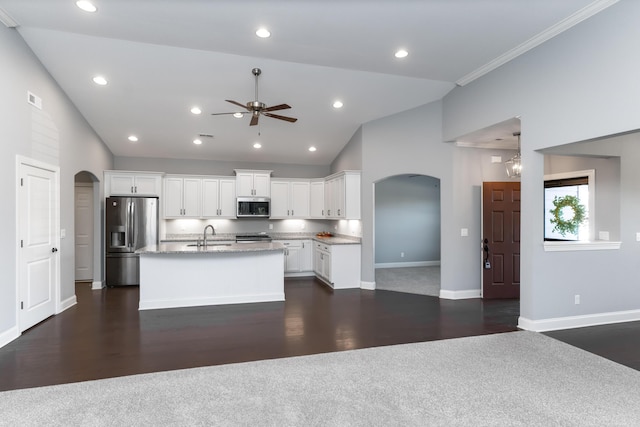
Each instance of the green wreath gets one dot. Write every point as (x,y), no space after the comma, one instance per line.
(568,225)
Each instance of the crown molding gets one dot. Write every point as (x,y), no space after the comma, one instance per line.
(567,23)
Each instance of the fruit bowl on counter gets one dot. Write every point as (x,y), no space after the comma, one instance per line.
(324,234)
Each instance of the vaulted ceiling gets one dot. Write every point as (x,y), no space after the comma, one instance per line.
(161,58)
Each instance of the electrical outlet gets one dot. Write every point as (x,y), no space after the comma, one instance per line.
(576,299)
(464,232)
(270,226)
(401,254)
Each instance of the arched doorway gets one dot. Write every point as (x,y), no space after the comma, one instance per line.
(407,234)
(87,241)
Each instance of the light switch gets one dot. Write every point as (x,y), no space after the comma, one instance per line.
(63,233)
(637,237)
(464,232)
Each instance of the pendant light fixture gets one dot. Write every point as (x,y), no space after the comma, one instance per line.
(514,165)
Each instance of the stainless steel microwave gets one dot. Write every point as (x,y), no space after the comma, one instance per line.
(253,207)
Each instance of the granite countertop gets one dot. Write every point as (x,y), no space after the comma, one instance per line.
(182,248)
(231,237)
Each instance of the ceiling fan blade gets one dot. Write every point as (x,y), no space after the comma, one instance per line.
(222,114)
(254,119)
(277,107)
(276,116)
(237,103)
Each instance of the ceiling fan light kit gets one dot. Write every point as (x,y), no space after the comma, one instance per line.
(257,108)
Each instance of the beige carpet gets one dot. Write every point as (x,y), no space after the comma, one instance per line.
(413,280)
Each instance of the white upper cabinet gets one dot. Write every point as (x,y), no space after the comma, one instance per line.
(342,195)
(219,197)
(182,197)
(253,183)
(289,198)
(316,198)
(132,183)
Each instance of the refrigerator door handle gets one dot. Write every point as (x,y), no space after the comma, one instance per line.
(131,224)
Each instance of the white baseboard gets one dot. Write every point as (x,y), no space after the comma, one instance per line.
(582,321)
(301,274)
(9,335)
(96,285)
(369,286)
(69,302)
(196,302)
(466,294)
(407,264)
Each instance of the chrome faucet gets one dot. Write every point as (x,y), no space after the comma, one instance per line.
(204,235)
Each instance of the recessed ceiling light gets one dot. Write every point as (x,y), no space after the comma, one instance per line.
(312,148)
(337,104)
(238,115)
(133,138)
(87,6)
(196,110)
(99,80)
(401,53)
(257,145)
(263,33)
(197,141)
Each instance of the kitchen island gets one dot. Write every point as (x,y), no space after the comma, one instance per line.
(185,275)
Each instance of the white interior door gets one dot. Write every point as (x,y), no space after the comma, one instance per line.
(38,259)
(84,232)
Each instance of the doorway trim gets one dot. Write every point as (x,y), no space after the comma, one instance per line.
(22,161)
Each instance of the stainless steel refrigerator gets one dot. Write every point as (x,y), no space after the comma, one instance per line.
(130,224)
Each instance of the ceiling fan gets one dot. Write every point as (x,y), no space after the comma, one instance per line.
(257,108)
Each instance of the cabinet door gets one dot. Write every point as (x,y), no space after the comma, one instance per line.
(192,197)
(244,184)
(338,197)
(299,202)
(317,262)
(147,185)
(306,256)
(316,199)
(280,199)
(326,265)
(227,202)
(210,198)
(292,260)
(261,184)
(122,185)
(172,197)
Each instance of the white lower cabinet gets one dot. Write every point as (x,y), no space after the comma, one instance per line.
(337,265)
(298,257)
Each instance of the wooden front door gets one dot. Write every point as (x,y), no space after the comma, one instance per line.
(501,240)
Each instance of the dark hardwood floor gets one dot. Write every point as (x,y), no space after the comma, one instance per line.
(105,335)
(619,342)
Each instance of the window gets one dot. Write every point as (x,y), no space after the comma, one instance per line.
(568,206)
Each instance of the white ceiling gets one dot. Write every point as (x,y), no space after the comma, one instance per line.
(163,57)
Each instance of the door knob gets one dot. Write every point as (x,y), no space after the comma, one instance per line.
(54,250)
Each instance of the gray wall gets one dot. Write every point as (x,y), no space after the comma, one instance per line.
(350,158)
(77,148)
(407,219)
(211,167)
(411,143)
(579,86)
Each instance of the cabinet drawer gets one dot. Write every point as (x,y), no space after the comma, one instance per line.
(323,247)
